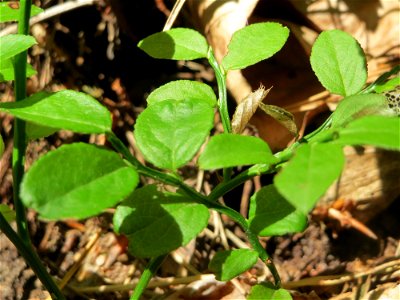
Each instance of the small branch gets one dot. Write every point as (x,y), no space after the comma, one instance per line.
(50,13)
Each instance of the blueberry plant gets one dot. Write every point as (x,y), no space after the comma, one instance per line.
(81,180)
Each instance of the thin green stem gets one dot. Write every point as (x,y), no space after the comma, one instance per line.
(222,94)
(32,259)
(147,274)
(19,147)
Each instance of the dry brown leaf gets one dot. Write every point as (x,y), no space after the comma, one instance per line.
(246,109)
(284,117)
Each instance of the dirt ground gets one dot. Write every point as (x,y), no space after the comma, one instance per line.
(99,58)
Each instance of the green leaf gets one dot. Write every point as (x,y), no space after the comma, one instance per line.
(8,13)
(1,146)
(181,90)
(309,174)
(35,131)
(176,43)
(169,133)
(270,214)
(339,62)
(253,44)
(7,70)
(391,84)
(77,181)
(356,106)
(12,44)
(266,290)
(379,131)
(157,223)
(66,109)
(7,213)
(230,150)
(228,264)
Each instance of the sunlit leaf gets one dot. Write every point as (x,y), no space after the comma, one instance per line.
(12,44)
(9,11)
(266,290)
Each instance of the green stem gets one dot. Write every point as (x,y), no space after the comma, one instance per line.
(222,94)
(199,198)
(147,274)
(32,259)
(19,147)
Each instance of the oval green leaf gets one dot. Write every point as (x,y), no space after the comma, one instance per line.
(157,223)
(12,44)
(231,150)
(177,44)
(379,131)
(270,214)
(266,290)
(181,90)
(8,14)
(66,109)
(169,133)
(356,106)
(309,174)
(7,70)
(339,62)
(253,44)
(226,265)
(77,181)
(35,131)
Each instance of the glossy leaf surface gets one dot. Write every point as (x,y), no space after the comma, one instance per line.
(8,13)
(12,44)
(181,90)
(176,43)
(77,181)
(270,214)
(157,223)
(253,44)
(169,133)
(309,174)
(266,290)
(66,109)
(230,150)
(226,265)
(339,62)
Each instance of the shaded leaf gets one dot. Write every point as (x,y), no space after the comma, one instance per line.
(266,290)
(66,109)
(157,223)
(230,150)
(228,264)
(77,181)
(281,115)
(339,62)
(253,44)
(246,109)
(169,133)
(356,106)
(8,11)
(181,90)
(309,174)
(379,131)
(176,43)
(12,44)
(270,214)
(7,213)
